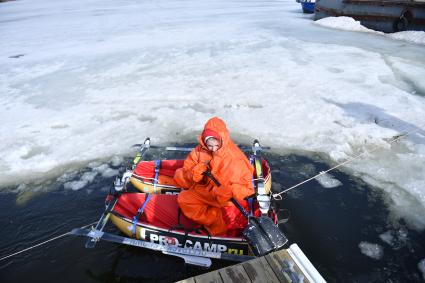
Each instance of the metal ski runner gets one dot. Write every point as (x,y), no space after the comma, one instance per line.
(118,185)
(191,256)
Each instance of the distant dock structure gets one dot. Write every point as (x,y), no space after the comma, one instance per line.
(283,266)
(384,15)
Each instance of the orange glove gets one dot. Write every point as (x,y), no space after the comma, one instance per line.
(197,172)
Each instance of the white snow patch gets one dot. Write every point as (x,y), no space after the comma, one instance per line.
(342,23)
(328,181)
(350,24)
(374,251)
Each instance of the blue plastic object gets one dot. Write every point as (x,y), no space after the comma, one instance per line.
(308,7)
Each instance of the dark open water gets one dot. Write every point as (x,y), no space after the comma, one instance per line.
(327,223)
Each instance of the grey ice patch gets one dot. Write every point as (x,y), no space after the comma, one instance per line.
(197,107)
(254,106)
(17,56)
(59,126)
(328,181)
(335,70)
(367,113)
(120,115)
(374,251)
(144,118)
(34,151)
(243,105)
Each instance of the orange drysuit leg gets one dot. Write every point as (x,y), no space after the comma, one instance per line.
(200,210)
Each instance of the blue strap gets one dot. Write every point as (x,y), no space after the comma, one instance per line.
(251,206)
(155,180)
(139,213)
(250,200)
(251,160)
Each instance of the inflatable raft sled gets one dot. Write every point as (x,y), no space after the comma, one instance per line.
(153,220)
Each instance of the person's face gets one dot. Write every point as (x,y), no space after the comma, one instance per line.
(213,144)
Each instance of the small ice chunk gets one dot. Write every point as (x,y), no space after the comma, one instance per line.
(68,176)
(421,266)
(116,161)
(21,188)
(85,179)
(94,164)
(106,171)
(395,239)
(110,173)
(89,176)
(374,251)
(328,181)
(75,185)
(101,168)
(388,238)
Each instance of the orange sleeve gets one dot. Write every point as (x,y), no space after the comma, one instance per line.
(222,194)
(183,176)
(238,184)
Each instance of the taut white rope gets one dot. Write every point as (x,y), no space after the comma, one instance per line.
(397,138)
(42,243)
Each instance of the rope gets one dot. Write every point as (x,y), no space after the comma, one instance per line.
(397,138)
(42,243)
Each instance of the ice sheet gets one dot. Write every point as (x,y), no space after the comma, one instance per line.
(80,83)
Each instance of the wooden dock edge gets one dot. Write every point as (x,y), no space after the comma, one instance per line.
(287,265)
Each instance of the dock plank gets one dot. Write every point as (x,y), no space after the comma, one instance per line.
(284,267)
(188,280)
(259,270)
(277,267)
(210,277)
(235,273)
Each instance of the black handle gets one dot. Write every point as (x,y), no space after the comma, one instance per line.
(235,202)
(239,206)
(208,173)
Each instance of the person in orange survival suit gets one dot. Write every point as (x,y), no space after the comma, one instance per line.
(202,201)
